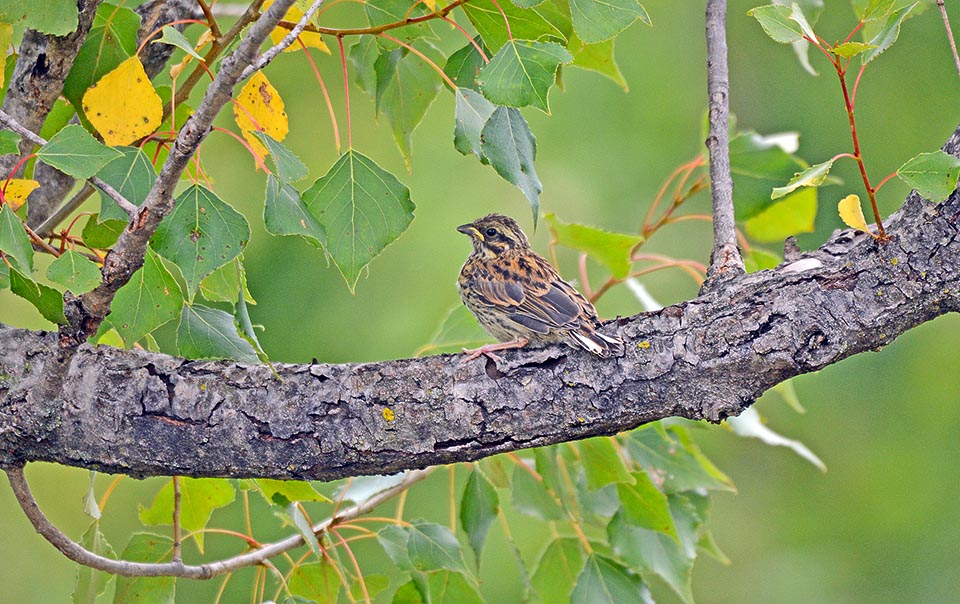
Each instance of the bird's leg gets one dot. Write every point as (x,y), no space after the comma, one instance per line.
(488,349)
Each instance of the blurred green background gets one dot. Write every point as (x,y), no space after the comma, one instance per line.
(877,527)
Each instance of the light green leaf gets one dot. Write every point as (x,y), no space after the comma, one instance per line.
(933,175)
(201,234)
(510,147)
(472,113)
(75,272)
(9,142)
(146,547)
(151,298)
(797,15)
(459,330)
(209,333)
(606,581)
(888,33)
(383,12)
(75,152)
(522,72)
(610,249)
(132,175)
(870,10)
(362,488)
(406,87)
(758,164)
(791,215)
(44,298)
(284,213)
(671,456)
(597,57)
(601,463)
(557,570)
(642,504)
(288,167)
(172,36)
(447,587)
(851,49)
(363,208)
(531,497)
(14,241)
(199,497)
(432,547)
(363,55)
(814,176)
(90,583)
(315,582)
(776,23)
(600,21)
(759,259)
(463,66)
(55,17)
(393,540)
(223,284)
(478,509)
(283,492)
(525,24)
(112,39)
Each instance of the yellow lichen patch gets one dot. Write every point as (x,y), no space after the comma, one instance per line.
(643,345)
(123,106)
(308,38)
(15,192)
(259,107)
(388,414)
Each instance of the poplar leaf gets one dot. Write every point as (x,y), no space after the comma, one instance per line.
(600,21)
(112,39)
(210,333)
(152,548)
(9,140)
(14,241)
(44,298)
(851,49)
(151,298)
(776,23)
(75,272)
(472,113)
(75,152)
(522,72)
(56,17)
(888,34)
(406,87)
(606,581)
(525,24)
(610,249)
(259,107)
(852,214)
(173,37)
(199,497)
(17,190)
(814,176)
(123,106)
(510,147)
(308,38)
(933,175)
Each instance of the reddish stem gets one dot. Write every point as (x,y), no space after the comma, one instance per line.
(16,167)
(247,145)
(505,20)
(435,67)
(346,90)
(469,37)
(154,33)
(326,95)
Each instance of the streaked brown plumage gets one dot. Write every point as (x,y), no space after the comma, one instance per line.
(519,298)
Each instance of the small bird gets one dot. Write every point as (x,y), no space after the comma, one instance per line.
(519,298)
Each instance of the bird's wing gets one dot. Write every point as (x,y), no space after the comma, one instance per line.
(539,305)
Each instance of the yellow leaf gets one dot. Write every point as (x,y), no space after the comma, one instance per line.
(6,36)
(259,107)
(308,38)
(205,38)
(852,214)
(431,4)
(123,106)
(16,191)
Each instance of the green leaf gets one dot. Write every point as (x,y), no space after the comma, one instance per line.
(14,241)
(363,55)
(284,213)
(446,587)
(459,330)
(112,39)
(557,569)
(472,113)
(522,72)
(793,214)
(758,164)
(599,21)
(75,272)
(315,582)
(531,497)
(464,66)
(776,23)
(393,540)
(60,115)
(933,175)
(132,175)
(642,504)
(432,547)
(602,463)
(201,234)
(173,37)
(288,167)
(146,547)
(223,284)
(383,12)
(888,33)
(362,488)
(375,584)
(55,17)
(102,235)
(44,298)
(597,57)
(814,176)
(406,87)
(283,492)
(510,147)
(606,581)
(478,509)
(90,583)
(758,259)
(209,333)
(408,593)
(851,49)
(9,142)
(363,208)
(610,249)
(151,298)
(293,514)
(75,152)
(199,497)
(799,17)
(525,24)
(671,456)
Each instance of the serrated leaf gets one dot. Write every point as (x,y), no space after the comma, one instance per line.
(363,55)
(432,547)
(383,12)
(112,39)
(75,152)
(888,33)
(201,234)
(522,72)
(797,15)
(284,213)
(151,298)
(75,272)
(199,498)
(599,58)
(406,87)
(851,49)
(374,584)
(259,107)
(644,505)
(172,36)
(307,38)
(675,461)
(223,284)
(16,191)
(458,330)
(472,113)
(14,241)
(44,298)
(610,249)
(814,176)
(293,514)
(776,23)
(90,584)
(209,333)
(557,570)
(933,175)
(393,540)
(510,147)
(463,66)
(525,24)
(284,492)
(600,21)
(146,547)
(132,175)
(55,17)
(102,235)
(791,215)
(363,208)
(852,214)
(531,497)
(478,509)
(602,463)
(123,105)
(9,142)
(287,166)
(315,582)
(606,581)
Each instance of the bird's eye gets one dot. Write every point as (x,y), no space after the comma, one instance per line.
(491,232)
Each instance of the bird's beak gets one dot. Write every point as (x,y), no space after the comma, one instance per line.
(472,231)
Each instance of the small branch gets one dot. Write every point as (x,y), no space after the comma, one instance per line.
(177,538)
(362,31)
(953,43)
(211,20)
(79,554)
(47,226)
(725,261)
(285,43)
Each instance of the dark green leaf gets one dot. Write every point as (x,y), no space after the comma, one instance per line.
(59,116)
(151,298)
(315,582)
(888,33)
(602,463)
(606,581)
(112,39)
(289,168)
(672,457)
(478,509)
(472,113)
(531,497)
(522,72)
(557,570)
(208,333)
(75,152)
(758,164)
(199,497)
(363,208)
(791,215)
(102,235)
(933,175)
(511,148)
(374,584)
(55,17)
(406,87)
(90,583)
(363,56)
(14,241)
(201,234)
(432,547)
(645,506)
(146,547)
(9,142)
(44,298)
(610,249)
(464,66)
(525,24)
(408,593)
(132,175)
(382,12)
(75,272)
(284,213)
(599,21)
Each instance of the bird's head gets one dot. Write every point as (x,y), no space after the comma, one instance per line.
(495,234)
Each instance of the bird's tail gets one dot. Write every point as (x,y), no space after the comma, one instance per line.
(597,343)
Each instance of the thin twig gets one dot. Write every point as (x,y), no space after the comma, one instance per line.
(177,538)
(81,555)
(283,44)
(211,20)
(946,25)
(47,226)
(362,31)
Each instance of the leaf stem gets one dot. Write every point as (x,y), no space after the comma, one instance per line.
(326,94)
(429,61)
(211,20)
(346,91)
(479,48)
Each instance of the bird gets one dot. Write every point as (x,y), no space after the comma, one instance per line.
(519,298)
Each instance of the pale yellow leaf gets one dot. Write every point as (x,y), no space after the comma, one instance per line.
(16,191)
(852,214)
(259,107)
(309,38)
(205,38)
(431,4)
(6,37)
(123,106)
